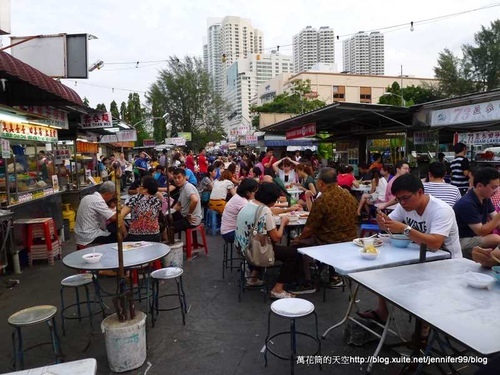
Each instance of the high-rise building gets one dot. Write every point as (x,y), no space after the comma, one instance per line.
(243,77)
(229,39)
(364,53)
(311,46)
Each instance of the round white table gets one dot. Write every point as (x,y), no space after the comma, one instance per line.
(109,261)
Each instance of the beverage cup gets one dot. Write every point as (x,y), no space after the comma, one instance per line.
(368,242)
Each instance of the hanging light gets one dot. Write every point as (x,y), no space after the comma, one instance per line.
(411,26)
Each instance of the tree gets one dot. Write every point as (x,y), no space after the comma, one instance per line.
(113,108)
(184,91)
(123,112)
(85,101)
(299,99)
(101,107)
(136,117)
(411,94)
(477,70)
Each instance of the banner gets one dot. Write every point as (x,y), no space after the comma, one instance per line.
(424,138)
(178,141)
(307,130)
(17,130)
(479,138)
(185,135)
(53,116)
(473,113)
(148,142)
(97,120)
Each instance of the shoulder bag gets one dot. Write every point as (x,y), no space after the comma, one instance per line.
(260,251)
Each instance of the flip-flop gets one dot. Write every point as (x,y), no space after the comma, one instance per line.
(371,315)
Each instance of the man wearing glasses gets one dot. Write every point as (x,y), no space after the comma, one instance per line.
(476,215)
(424,219)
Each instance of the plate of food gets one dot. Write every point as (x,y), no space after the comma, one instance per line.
(376,242)
(304,214)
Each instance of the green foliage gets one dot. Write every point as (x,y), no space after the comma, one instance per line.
(113,108)
(477,70)
(85,101)
(136,117)
(101,107)
(297,100)
(184,91)
(123,112)
(411,94)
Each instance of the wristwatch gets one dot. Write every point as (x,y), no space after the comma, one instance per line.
(407,231)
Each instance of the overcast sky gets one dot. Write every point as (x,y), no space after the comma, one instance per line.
(150,30)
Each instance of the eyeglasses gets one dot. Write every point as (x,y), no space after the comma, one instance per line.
(405,198)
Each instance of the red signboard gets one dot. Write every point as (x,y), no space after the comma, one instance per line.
(148,142)
(307,130)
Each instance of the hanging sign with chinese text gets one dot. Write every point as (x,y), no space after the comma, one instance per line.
(425,138)
(53,116)
(479,138)
(17,130)
(307,130)
(97,120)
(87,147)
(473,113)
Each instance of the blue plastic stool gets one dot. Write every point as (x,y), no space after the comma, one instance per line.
(212,222)
(369,230)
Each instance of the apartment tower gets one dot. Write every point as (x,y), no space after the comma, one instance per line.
(364,53)
(311,46)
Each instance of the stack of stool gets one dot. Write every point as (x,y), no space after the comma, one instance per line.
(29,317)
(42,240)
(292,309)
(168,273)
(192,241)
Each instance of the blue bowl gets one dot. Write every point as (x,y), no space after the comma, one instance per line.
(400,240)
(496,272)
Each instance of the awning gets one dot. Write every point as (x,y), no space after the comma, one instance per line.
(276,140)
(25,85)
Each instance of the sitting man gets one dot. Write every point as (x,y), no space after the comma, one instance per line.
(425,220)
(438,188)
(93,215)
(476,216)
(189,203)
(332,219)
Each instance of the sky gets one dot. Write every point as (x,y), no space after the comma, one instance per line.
(149,31)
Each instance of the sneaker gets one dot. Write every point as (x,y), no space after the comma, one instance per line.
(255,283)
(336,282)
(303,289)
(280,295)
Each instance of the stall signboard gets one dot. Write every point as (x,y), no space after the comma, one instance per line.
(479,138)
(185,135)
(5,148)
(97,120)
(425,138)
(61,155)
(52,116)
(243,130)
(18,130)
(384,143)
(307,130)
(87,147)
(249,140)
(178,141)
(148,142)
(473,113)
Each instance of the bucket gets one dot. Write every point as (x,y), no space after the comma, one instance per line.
(175,257)
(69,214)
(125,342)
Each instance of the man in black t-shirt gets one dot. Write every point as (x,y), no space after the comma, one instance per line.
(460,168)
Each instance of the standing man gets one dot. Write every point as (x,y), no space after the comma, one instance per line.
(93,215)
(476,216)
(269,159)
(189,203)
(142,164)
(460,168)
(332,219)
(190,161)
(202,163)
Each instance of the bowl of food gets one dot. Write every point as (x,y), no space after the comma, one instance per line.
(400,240)
(369,253)
(496,272)
(384,237)
(478,280)
(92,257)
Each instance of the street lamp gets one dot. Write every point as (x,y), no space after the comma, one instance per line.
(403,102)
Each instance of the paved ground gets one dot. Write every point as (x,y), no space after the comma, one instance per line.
(222,335)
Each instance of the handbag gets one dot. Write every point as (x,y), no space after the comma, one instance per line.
(260,250)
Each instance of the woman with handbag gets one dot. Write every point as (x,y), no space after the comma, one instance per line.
(257,236)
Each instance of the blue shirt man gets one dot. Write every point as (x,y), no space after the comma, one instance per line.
(190,177)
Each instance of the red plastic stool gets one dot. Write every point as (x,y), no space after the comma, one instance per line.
(36,229)
(192,241)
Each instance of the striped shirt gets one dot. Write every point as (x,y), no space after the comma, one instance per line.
(446,192)
(458,166)
(91,219)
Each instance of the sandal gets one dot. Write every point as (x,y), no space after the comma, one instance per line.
(371,315)
(255,283)
(280,295)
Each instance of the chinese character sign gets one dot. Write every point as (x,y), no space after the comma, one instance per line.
(306,130)
(479,138)
(473,113)
(17,130)
(97,120)
(424,138)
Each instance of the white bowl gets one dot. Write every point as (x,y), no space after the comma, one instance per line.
(478,280)
(384,237)
(92,257)
(369,256)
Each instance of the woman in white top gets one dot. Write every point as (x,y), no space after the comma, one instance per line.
(221,188)
(244,193)
(377,192)
(286,174)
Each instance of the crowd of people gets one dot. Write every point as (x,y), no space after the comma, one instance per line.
(240,186)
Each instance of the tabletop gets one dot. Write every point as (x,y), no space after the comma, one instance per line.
(149,252)
(293,191)
(346,258)
(363,188)
(81,367)
(437,293)
(297,223)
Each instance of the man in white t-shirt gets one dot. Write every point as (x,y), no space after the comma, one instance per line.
(424,219)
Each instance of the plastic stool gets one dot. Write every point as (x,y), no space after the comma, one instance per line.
(168,273)
(36,229)
(75,282)
(291,308)
(28,317)
(212,222)
(369,230)
(228,259)
(192,241)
